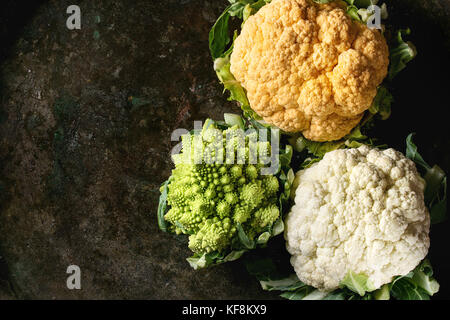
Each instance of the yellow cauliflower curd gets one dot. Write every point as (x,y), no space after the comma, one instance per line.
(309,67)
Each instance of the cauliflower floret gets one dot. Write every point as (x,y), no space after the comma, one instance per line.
(308,67)
(359,210)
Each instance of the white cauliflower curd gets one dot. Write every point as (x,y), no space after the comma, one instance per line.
(360,210)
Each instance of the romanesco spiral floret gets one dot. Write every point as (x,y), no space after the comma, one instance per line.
(252,194)
(214,235)
(236,171)
(241,213)
(223,209)
(265,216)
(270,185)
(208,198)
(231,198)
(251,172)
(174,214)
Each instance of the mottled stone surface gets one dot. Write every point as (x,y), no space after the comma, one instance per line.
(85,124)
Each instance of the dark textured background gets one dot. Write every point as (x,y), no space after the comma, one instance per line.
(85,124)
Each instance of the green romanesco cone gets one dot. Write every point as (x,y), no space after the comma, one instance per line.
(208,198)
(214,235)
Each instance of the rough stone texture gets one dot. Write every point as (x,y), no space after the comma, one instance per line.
(86,118)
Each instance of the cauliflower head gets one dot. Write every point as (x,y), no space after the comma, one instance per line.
(209,197)
(308,67)
(358,210)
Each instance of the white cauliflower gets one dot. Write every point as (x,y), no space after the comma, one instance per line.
(358,210)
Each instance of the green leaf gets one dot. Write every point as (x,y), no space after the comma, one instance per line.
(413,154)
(291,287)
(298,143)
(232,119)
(336,295)
(306,293)
(400,53)
(258,5)
(363,3)
(260,124)
(352,11)
(405,289)
(381,105)
(263,238)
(243,238)
(419,284)
(436,193)
(438,211)
(316,295)
(353,140)
(436,183)
(307,164)
(408,275)
(298,294)
(356,134)
(286,156)
(286,284)
(237,8)
(198,262)
(320,148)
(162,207)
(218,42)
(434,178)
(270,279)
(234,255)
(219,35)
(209,123)
(290,178)
(251,9)
(358,283)
(423,278)
(382,293)
(286,181)
(278,227)
(237,92)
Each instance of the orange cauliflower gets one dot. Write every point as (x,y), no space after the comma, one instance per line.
(309,67)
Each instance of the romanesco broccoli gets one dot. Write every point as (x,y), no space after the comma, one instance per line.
(208,195)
